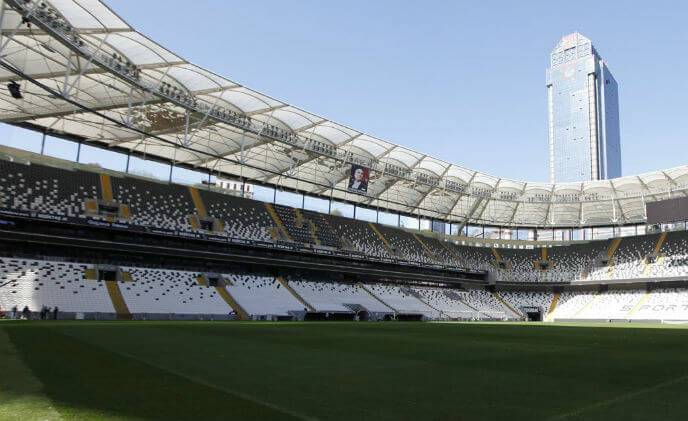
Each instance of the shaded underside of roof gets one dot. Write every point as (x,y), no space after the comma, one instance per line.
(83,71)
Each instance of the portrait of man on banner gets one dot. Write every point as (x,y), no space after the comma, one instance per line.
(358,180)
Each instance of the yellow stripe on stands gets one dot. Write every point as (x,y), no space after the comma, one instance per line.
(496,264)
(117,300)
(640,303)
(278,221)
(543,270)
(197,201)
(273,233)
(655,251)
(315,239)
(193,221)
(243,315)
(90,273)
(388,246)
(227,297)
(610,252)
(126,213)
(552,307)
(296,295)
(106,187)
(507,305)
(456,256)
(363,287)
(427,249)
(649,265)
(613,246)
(588,304)
(659,243)
(611,268)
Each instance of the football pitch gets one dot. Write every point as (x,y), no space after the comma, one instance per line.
(89,370)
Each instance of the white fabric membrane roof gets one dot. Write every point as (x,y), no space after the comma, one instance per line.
(84,71)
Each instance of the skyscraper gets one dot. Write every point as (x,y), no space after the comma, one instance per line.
(583,104)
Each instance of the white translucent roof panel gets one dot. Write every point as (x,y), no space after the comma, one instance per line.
(433,165)
(334,132)
(652,177)
(485,179)
(138,49)
(248,100)
(463,174)
(405,156)
(295,118)
(678,172)
(538,188)
(88,14)
(373,146)
(195,78)
(506,184)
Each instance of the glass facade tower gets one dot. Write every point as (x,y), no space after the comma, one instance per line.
(583,104)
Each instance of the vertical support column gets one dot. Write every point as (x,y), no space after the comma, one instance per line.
(602,135)
(550,103)
(592,119)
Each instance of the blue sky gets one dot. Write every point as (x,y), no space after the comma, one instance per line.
(462,81)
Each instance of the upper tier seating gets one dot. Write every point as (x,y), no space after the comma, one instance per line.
(404,246)
(360,235)
(322,229)
(57,191)
(161,205)
(440,253)
(46,189)
(241,218)
(298,228)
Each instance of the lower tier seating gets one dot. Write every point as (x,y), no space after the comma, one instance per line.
(335,297)
(73,288)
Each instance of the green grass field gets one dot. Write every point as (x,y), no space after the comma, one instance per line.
(55,370)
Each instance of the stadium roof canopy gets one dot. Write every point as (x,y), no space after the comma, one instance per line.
(83,71)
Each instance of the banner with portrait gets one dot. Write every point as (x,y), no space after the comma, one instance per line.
(358,179)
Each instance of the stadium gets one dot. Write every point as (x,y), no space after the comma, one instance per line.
(368,281)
